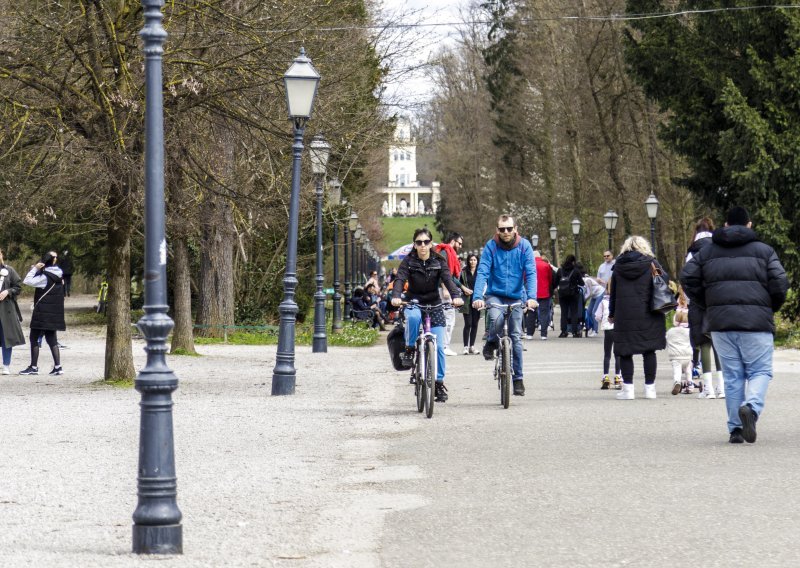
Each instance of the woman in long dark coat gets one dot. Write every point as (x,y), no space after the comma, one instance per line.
(10,329)
(637,330)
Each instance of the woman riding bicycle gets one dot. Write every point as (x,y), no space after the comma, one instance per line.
(425,271)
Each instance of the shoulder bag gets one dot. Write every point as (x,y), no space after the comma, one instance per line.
(661,298)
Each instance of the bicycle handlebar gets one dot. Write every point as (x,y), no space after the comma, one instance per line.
(508,307)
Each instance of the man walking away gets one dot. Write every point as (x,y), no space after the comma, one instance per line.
(506,274)
(741,283)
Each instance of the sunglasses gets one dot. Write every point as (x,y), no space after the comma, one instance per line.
(422,243)
(504,229)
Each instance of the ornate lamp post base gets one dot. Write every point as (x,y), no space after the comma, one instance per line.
(165,539)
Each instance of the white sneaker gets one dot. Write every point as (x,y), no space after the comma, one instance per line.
(449,352)
(466,351)
(707,394)
(528,337)
(544,338)
(592,333)
(650,391)
(719,392)
(6,370)
(626,393)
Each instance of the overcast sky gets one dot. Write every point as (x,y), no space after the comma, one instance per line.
(416,87)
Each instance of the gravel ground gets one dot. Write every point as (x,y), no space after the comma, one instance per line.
(262,480)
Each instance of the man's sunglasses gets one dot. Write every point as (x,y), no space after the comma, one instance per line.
(504,229)
(422,243)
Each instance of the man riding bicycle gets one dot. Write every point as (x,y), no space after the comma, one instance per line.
(506,274)
(425,271)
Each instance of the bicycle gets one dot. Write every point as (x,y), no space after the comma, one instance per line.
(425,366)
(503,359)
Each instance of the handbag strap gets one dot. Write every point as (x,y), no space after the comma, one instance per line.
(654,270)
(43,295)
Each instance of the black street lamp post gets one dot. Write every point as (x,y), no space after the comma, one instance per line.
(353,226)
(356,257)
(335,200)
(319,150)
(157,525)
(576,231)
(610,219)
(553,238)
(651,205)
(301,82)
(347,290)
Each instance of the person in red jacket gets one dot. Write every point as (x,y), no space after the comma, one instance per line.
(544,295)
(449,249)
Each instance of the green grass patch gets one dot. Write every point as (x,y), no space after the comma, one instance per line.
(787,333)
(184,352)
(352,336)
(116,383)
(91,317)
(398,231)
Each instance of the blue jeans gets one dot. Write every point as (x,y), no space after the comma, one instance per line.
(514,331)
(413,321)
(591,322)
(544,314)
(746,358)
(6,350)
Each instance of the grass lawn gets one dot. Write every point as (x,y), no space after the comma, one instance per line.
(397,231)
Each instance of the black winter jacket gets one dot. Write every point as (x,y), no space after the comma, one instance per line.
(697,313)
(636,328)
(424,278)
(738,280)
(48,311)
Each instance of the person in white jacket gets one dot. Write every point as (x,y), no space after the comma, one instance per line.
(601,316)
(679,348)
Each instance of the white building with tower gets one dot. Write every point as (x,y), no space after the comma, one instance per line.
(404,195)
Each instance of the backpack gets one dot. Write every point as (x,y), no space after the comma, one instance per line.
(566,287)
(397,344)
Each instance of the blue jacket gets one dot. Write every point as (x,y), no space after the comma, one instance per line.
(506,273)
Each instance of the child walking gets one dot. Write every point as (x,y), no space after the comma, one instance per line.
(601,316)
(679,348)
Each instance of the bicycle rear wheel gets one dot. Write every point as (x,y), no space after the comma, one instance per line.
(430,376)
(419,388)
(505,372)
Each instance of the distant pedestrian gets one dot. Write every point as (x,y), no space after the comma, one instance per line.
(701,340)
(471,315)
(637,330)
(545,284)
(601,316)
(568,282)
(741,283)
(65,263)
(48,310)
(10,316)
(449,250)
(679,348)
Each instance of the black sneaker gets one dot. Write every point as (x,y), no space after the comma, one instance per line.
(562,334)
(489,348)
(519,388)
(736,436)
(407,357)
(56,371)
(441,392)
(748,417)
(31,370)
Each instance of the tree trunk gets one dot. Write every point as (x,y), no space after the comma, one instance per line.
(119,350)
(182,336)
(216,306)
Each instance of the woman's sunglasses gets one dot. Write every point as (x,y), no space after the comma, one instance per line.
(422,243)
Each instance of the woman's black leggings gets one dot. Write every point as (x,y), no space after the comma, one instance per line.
(608,344)
(471,320)
(650,365)
(52,341)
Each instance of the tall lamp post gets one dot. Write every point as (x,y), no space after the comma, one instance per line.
(350,249)
(553,238)
(610,219)
(319,151)
(576,231)
(301,80)
(651,205)
(157,525)
(335,197)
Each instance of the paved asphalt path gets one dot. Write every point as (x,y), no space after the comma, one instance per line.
(345,473)
(569,476)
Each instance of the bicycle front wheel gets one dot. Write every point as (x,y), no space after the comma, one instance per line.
(419,387)
(430,376)
(505,372)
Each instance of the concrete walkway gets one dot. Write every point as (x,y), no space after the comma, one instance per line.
(346,473)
